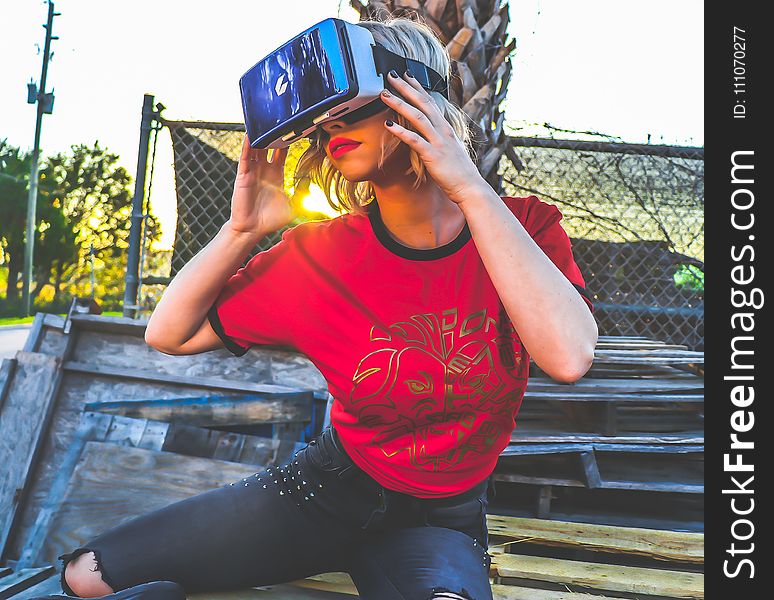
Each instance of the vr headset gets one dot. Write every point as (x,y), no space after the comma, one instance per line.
(333,70)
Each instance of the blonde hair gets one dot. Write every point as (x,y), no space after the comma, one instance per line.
(412,39)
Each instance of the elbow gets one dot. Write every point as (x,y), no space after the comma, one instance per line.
(571,373)
(158,341)
(575,367)
(574,364)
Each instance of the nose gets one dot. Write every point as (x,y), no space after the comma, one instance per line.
(334,125)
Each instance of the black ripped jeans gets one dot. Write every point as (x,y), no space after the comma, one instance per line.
(318,513)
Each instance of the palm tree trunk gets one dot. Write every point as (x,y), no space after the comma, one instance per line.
(474,32)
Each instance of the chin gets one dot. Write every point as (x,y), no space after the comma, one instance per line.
(356,175)
(358,170)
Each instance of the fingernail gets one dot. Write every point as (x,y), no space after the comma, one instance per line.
(386,93)
(409,75)
(393,73)
(389,123)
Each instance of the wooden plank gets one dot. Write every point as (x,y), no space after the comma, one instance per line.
(205,382)
(618,358)
(53,340)
(633,580)
(283,591)
(639,346)
(621,385)
(590,396)
(290,369)
(337,581)
(35,335)
(5,571)
(653,486)
(610,418)
(149,435)
(342,583)
(126,431)
(534,480)
(646,485)
(654,543)
(121,325)
(53,321)
(6,376)
(111,484)
(544,501)
(23,424)
(637,338)
(23,579)
(514,592)
(92,426)
(650,448)
(590,470)
(129,351)
(516,450)
(216,410)
(523,435)
(564,448)
(47,587)
(223,445)
(652,472)
(656,352)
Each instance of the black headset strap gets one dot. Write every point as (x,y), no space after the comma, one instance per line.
(431,80)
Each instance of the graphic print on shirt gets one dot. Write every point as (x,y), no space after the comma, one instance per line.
(434,383)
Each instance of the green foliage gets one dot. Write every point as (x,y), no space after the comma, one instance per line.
(690,277)
(84,203)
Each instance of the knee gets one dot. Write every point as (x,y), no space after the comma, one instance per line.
(84,578)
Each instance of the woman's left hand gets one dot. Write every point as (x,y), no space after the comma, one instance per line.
(443,154)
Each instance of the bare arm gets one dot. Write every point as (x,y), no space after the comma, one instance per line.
(553,321)
(259,206)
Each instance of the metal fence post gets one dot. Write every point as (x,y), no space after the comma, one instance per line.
(132,280)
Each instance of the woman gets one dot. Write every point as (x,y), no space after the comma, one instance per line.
(420,305)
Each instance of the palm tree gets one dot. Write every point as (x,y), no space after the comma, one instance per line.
(474,32)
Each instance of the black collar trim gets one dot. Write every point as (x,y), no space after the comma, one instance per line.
(394,246)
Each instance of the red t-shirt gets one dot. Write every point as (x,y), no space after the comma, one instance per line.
(425,368)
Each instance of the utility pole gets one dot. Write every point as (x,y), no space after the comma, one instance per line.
(45,104)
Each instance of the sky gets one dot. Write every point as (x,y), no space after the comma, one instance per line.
(634,70)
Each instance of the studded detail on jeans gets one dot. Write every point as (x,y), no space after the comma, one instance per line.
(289,478)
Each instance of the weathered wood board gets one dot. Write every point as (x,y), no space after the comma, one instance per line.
(24,420)
(150,435)
(112,484)
(662,545)
(22,579)
(117,345)
(215,410)
(341,583)
(616,578)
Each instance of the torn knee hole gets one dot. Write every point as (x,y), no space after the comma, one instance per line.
(446,594)
(69,562)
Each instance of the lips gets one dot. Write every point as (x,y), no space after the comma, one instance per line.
(340,145)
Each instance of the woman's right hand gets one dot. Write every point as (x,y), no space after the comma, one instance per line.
(259,204)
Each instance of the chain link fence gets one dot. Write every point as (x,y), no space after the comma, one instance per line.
(635,214)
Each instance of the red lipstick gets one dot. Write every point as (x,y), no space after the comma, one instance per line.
(341,145)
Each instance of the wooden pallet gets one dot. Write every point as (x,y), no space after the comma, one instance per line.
(670,566)
(104,364)
(44,390)
(102,438)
